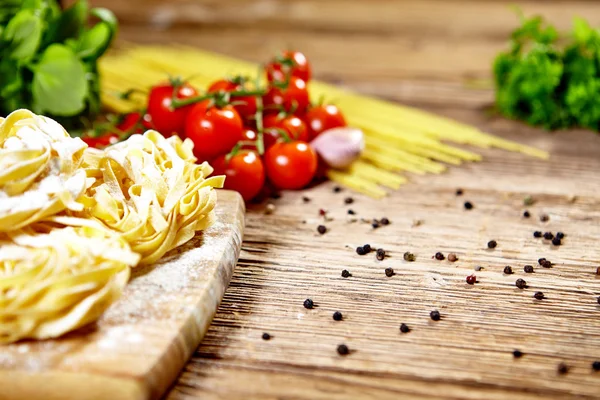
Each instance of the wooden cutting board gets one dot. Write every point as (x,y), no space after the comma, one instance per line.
(138,347)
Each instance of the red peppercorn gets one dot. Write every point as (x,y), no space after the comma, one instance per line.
(471,279)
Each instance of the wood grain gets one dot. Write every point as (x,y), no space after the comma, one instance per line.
(142,341)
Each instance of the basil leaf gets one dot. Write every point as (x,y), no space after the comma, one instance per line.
(69,24)
(23,34)
(95,42)
(59,84)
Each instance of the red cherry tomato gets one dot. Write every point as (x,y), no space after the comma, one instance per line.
(213,130)
(289,63)
(247,106)
(293,126)
(249,135)
(294,96)
(244,173)
(291,165)
(166,119)
(322,118)
(102,141)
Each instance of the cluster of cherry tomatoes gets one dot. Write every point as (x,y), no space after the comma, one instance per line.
(250,134)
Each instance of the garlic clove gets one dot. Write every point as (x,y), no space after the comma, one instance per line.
(339,147)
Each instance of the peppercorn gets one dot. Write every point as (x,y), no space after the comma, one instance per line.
(337,189)
(360,251)
(548,235)
(439,256)
(468,205)
(521,284)
(408,256)
(528,269)
(322,212)
(435,315)
(598,271)
(343,350)
(478,268)
(537,234)
(560,235)
(508,270)
(528,201)
(375,224)
(404,328)
(517,354)
(367,248)
(337,316)
(348,200)
(452,257)
(547,264)
(596,365)
(266,336)
(270,208)
(459,192)
(492,244)
(539,295)
(541,260)
(346,273)
(384,221)
(556,241)
(321,229)
(544,218)
(380,254)
(308,303)
(306,199)
(526,214)
(389,272)
(563,368)
(351,212)
(471,279)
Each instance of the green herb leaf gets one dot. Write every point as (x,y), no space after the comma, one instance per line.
(94,42)
(59,83)
(23,34)
(67,25)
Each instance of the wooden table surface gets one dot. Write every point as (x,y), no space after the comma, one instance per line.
(434,54)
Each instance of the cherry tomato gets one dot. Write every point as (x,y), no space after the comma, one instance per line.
(213,130)
(291,165)
(292,125)
(294,96)
(322,118)
(166,119)
(244,173)
(247,106)
(249,135)
(102,141)
(292,63)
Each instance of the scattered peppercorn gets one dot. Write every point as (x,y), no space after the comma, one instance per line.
(439,256)
(547,264)
(560,235)
(404,328)
(528,201)
(452,257)
(526,214)
(389,272)
(541,260)
(321,229)
(308,303)
(384,221)
(539,295)
(492,244)
(408,256)
(337,189)
(380,254)
(521,284)
(471,279)
(459,192)
(270,208)
(556,241)
(360,251)
(375,224)
(517,354)
(337,316)
(468,205)
(596,365)
(528,269)
(343,350)
(346,273)
(266,336)
(508,270)
(563,368)
(306,199)
(351,212)
(322,212)
(544,218)
(367,248)
(478,268)
(537,234)
(548,235)
(348,200)
(435,315)
(598,271)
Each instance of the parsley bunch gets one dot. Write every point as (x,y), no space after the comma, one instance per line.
(548,80)
(48,58)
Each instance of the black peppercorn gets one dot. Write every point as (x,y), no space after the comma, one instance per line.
(308,303)
(596,365)
(563,368)
(544,218)
(337,189)
(528,269)
(560,235)
(375,224)
(321,229)
(404,328)
(452,257)
(380,254)
(351,212)
(508,270)
(492,244)
(539,295)
(547,264)
(360,251)
(337,316)
(266,336)
(384,221)
(471,279)
(348,200)
(521,284)
(346,273)
(537,234)
(541,260)
(389,272)
(526,214)
(548,235)
(367,248)
(517,354)
(556,241)
(439,256)
(459,192)
(408,256)
(468,205)
(435,315)
(306,199)
(343,350)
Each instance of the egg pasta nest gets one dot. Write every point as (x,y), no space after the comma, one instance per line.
(74,220)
